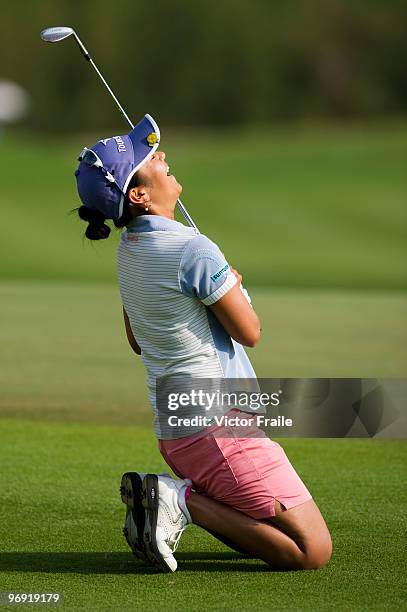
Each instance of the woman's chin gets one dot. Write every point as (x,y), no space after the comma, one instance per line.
(178,187)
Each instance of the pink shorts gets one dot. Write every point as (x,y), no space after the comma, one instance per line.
(247,473)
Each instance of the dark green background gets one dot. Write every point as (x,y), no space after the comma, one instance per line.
(219,62)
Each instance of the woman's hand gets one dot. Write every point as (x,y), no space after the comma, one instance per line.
(239,284)
(235,313)
(236,273)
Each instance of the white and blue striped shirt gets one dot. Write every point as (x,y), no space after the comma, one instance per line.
(168,275)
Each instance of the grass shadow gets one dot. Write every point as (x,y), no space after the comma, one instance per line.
(120,562)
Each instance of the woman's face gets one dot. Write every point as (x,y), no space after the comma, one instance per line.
(155,176)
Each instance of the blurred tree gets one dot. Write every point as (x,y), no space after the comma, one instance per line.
(218,62)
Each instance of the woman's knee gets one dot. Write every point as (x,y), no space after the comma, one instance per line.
(308,556)
(318,553)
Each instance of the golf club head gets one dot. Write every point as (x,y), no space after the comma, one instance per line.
(56,34)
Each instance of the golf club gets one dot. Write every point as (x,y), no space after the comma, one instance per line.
(56,34)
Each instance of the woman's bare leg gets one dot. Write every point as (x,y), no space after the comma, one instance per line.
(227,542)
(295,539)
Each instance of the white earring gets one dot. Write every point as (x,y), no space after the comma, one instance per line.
(146,208)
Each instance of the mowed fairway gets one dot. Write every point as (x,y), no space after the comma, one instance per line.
(315,221)
(61,519)
(61,516)
(306,207)
(65,355)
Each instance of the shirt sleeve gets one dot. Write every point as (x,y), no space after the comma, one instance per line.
(204,272)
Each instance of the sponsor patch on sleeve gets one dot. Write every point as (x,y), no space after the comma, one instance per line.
(219,273)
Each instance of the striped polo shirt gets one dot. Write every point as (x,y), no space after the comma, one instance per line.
(168,275)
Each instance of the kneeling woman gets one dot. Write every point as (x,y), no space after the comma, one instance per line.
(185,314)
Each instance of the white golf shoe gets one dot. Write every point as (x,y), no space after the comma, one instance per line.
(131,492)
(166,518)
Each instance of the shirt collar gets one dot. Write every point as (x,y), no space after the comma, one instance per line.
(155,223)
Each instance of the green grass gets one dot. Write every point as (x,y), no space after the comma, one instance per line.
(60,526)
(65,354)
(293,210)
(311,207)
(65,359)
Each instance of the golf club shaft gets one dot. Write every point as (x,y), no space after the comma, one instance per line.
(87,56)
(186,215)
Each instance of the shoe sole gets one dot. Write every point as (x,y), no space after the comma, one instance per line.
(150,502)
(131,493)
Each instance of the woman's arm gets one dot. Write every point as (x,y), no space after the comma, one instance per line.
(129,334)
(236,315)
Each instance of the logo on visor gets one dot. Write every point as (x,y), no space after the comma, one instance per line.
(152,139)
(121,147)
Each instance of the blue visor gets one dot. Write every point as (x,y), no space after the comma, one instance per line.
(105,170)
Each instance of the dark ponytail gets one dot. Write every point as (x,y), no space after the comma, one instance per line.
(97,229)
